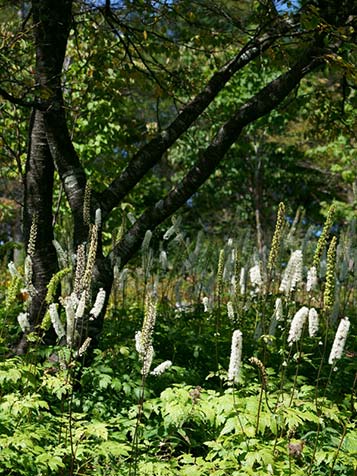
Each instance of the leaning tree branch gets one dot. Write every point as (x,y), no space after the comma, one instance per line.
(152,152)
(259,105)
(20,101)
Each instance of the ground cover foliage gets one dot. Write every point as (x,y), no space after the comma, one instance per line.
(286,406)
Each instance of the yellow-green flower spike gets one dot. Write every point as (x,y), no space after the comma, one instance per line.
(53,284)
(12,291)
(86,203)
(262,370)
(219,279)
(92,252)
(33,235)
(275,244)
(330,275)
(46,322)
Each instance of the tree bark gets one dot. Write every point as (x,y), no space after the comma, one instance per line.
(38,207)
(50,43)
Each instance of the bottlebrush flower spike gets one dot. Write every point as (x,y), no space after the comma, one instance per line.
(339,341)
(293,273)
(236,356)
(311,281)
(160,369)
(297,325)
(313,322)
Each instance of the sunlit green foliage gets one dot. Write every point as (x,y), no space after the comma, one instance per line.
(60,416)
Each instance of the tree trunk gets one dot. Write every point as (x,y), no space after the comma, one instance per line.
(38,196)
(50,144)
(39,174)
(50,38)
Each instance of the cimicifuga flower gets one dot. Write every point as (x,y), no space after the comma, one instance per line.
(87,278)
(242,281)
(13,271)
(330,275)
(46,321)
(80,268)
(31,246)
(230,310)
(313,322)
(205,302)
(84,347)
(56,322)
(278,312)
(219,278)
(98,217)
(138,343)
(23,321)
(86,204)
(169,232)
(297,325)
(70,303)
(311,280)
(235,275)
(147,360)
(155,286)
(12,291)
(255,277)
(143,339)
(339,341)
(131,217)
(262,370)
(53,284)
(147,262)
(28,270)
(275,244)
(81,305)
(234,285)
(174,228)
(61,254)
(160,369)
(149,321)
(122,278)
(292,275)
(146,241)
(323,237)
(163,260)
(98,304)
(236,356)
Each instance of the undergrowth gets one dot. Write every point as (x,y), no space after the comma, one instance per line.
(287,408)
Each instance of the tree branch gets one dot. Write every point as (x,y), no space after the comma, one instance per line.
(21,102)
(152,152)
(261,104)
